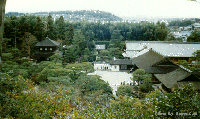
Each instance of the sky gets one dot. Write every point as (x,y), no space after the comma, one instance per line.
(121,8)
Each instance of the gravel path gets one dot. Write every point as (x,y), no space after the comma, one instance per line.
(114,78)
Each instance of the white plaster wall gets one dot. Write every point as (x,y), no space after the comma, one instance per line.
(101,66)
(114,67)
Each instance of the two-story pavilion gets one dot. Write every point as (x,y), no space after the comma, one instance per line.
(46,48)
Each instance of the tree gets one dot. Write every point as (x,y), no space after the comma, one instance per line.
(56,57)
(71,54)
(89,84)
(28,41)
(104,55)
(125,90)
(61,28)
(39,30)
(161,31)
(138,76)
(80,41)
(196,56)
(5,45)
(146,86)
(69,34)
(194,36)
(16,54)
(115,52)
(182,100)
(184,63)
(51,28)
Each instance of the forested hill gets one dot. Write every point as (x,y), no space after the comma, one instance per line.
(90,15)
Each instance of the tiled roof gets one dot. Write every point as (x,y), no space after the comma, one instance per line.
(119,62)
(173,77)
(163,68)
(147,59)
(48,42)
(170,49)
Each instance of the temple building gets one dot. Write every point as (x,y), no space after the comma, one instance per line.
(46,48)
(174,50)
(166,73)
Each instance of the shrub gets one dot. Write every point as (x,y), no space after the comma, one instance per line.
(125,90)
(183,100)
(93,83)
(46,73)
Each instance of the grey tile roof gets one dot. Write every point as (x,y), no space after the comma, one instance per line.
(48,42)
(154,63)
(171,78)
(163,68)
(121,61)
(170,49)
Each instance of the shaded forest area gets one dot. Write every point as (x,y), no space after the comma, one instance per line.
(16,29)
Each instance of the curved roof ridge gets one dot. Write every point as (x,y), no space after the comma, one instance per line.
(48,42)
(175,42)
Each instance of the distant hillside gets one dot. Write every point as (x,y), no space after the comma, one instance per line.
(90,15)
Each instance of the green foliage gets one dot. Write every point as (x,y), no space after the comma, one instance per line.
(39,29)
(15,53)
(51,28)
(10,67)
(184,63)
(86,67)
(143,80)
(183,100)
(56,57)
(20,98)
(116,52)
(89,84)
(146,86)
(69,35)
(104,55)
(64,80)
(194,36)
(5,45)
(70,54)
(28,42)
(180,23)
(125,90)
(140,75)
(46,73)
(7,57)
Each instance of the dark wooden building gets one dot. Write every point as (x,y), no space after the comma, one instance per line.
(46,48)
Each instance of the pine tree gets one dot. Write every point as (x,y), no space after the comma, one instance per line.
(39,29)
(51,28)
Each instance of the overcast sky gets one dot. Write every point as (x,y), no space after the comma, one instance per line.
(122,8)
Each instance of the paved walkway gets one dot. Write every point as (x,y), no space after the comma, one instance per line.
(114,78)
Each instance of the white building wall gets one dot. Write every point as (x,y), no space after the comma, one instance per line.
(114,67)
(102,67)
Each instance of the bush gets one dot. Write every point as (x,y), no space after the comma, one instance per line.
(146,86)
(125,90)
(7,56)
(183,100)
(64,80)
(92,83)
(46,73)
